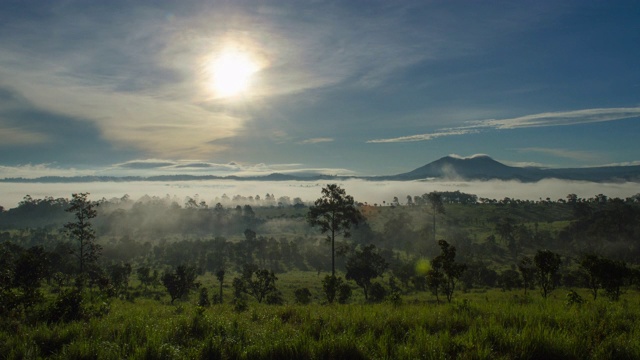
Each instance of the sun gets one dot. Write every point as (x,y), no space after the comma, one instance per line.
(231,72)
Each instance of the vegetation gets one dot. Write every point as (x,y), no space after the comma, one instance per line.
(144,260)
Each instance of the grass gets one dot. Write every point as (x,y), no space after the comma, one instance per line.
(482,325)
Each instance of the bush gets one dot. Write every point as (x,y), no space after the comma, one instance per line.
(344,293)
(67,307)
(573,298)
(303,296)
(377,292)
(203,300)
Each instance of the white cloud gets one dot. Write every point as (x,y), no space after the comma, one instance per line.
(562,118)
(362,191)
(31,171)
(425,137)
(564,153)
(316,140)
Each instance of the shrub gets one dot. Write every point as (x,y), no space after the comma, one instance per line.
(377,292)
(344,293)
(303,296)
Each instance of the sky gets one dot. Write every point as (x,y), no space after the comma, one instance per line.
(338,87)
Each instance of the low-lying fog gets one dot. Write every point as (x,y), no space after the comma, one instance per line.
(371,192)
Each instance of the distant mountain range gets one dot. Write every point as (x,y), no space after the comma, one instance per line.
(447,168)
(486,168)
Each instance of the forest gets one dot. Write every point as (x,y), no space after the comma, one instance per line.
(437,275)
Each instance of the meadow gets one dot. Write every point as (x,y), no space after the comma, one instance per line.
(482,324)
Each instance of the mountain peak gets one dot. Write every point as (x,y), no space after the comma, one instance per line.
(456,167)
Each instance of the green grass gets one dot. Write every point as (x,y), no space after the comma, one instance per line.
(481,325)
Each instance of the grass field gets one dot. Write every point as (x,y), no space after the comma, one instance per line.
(484,324)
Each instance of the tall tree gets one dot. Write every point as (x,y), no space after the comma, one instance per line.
(451,270)
(594,266)
(334,213)
(528,272)
(547,266)
(81,230)
(437,207)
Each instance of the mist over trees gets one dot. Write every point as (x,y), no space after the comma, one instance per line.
(478,243)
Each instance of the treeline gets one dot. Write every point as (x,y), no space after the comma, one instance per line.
(82,273)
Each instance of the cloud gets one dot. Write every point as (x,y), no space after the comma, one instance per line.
(362,191)
(561,118)
(14,136)
(548,119)
(456,156)
(564,153)
(30,171)
(426,137)
(316,140)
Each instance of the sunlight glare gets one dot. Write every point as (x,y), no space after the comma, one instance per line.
(231,73)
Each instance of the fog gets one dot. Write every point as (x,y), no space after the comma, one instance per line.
(372,192)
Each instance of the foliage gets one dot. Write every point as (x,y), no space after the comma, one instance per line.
(377,292)
(617,273)
(203,298)
(303,296)
(344,293)
(334,213)
(81,230)
(528,272)
(437,207)
(219,299)
(547,266)
(259,283)
(119,276)
(449,269)
(180,282)
(331,285)
(364,265)
(146,277)
(573,298)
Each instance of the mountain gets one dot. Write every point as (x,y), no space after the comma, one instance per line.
(483,167)
(479,167)
(474,168)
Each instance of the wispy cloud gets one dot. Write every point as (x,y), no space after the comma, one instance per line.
(316,140)
(14,136)
(426,137)
(564,153)
(548,119)
(561,118)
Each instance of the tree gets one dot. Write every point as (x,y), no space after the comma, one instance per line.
(87,251)
(547,266)
(220,276)
(365,265)
(435,279)
(259,283)
(451,271)
(145,276)
(30,268)
(615,274)
(594,266)
(437,207)
(334,213)
(528,272)
(180,282)
(119,274)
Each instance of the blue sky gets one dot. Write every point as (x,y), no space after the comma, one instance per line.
(339,87)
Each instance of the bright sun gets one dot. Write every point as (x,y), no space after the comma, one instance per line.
(231,73)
